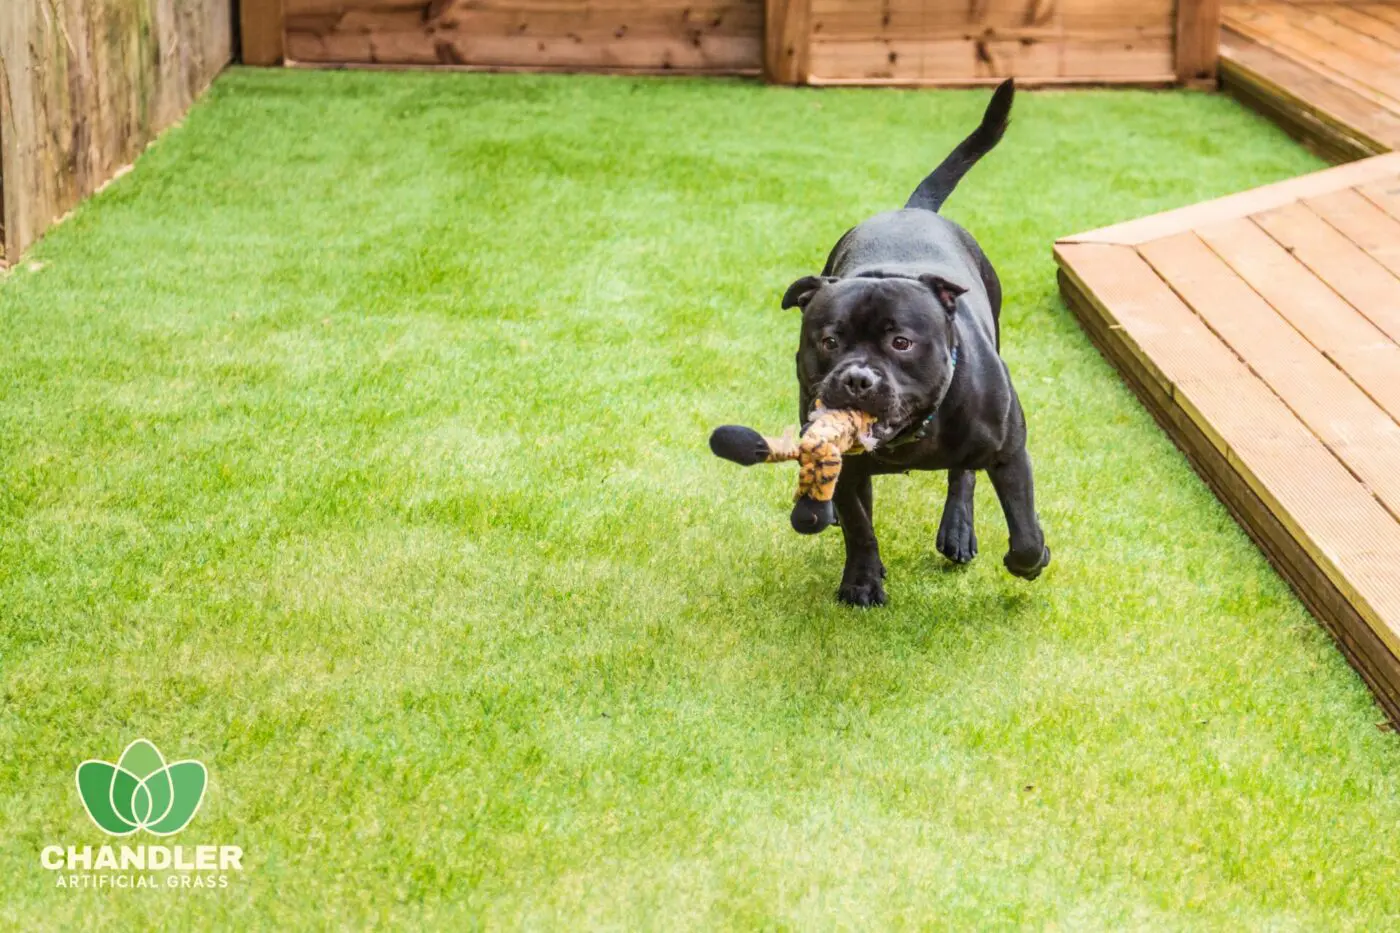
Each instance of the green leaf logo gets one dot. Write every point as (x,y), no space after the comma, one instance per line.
(141,791)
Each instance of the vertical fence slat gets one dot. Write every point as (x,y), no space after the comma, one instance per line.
(787,41)
(261,27)
(1197,42)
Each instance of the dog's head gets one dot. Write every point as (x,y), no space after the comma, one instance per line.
(880,345)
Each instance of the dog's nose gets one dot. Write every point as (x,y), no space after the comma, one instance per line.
(860,381)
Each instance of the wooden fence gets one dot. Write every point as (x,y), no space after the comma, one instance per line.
(951,42)
(84,86)
(906,42)
(704,36)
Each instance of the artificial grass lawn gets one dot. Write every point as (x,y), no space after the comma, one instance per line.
(355,445)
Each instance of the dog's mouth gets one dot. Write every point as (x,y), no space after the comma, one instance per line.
(882,432)
(892,416)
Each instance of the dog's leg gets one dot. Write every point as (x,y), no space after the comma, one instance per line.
(957,540)
(861,580)
(1016,490)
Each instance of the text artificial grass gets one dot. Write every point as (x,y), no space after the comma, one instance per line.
(354,445)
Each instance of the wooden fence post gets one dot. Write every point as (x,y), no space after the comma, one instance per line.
(1197,42)
(260,25)
(787,40)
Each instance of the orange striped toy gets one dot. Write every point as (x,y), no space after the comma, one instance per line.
(818,453)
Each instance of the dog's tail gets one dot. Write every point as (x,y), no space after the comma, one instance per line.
(934,189)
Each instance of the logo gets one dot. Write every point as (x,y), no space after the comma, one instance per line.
(141,791)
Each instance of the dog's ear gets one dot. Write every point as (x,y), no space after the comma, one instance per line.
(946,292)
(801,291)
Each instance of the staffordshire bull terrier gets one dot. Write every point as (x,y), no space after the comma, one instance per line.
(904,324)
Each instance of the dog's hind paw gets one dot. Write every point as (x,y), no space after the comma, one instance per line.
(1027,569)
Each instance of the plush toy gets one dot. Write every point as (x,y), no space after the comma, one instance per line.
(830,434)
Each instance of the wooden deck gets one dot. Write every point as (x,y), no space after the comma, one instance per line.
(1263,332)
(1328,72)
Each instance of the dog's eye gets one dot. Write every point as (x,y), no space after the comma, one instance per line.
(901,343)
(829,343)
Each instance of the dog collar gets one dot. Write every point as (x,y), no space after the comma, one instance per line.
(926,425)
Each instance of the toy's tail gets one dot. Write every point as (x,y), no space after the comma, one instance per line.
(934,189)
(812,511)
(745,446)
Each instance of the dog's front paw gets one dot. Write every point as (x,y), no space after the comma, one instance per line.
(863,589)
(956,539)
(1025,567)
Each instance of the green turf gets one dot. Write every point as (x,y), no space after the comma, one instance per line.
(355,445)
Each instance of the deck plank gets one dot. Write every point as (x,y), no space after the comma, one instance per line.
(1385,12)
(1362,222)
(1367,285)
(1163,343)
(1339,331)
(1360,22)
(1384,193)
(1353,61)
(1349,423)
(1338,123)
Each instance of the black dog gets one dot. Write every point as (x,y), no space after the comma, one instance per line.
(903,323)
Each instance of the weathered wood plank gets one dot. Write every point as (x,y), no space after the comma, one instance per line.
(87,84)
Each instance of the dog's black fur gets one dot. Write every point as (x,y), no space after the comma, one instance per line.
(904,323)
